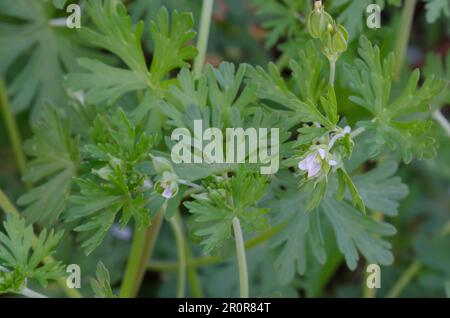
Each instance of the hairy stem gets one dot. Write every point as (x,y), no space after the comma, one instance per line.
(177,228)
(242,262)
(141,250)
(442,121)
(13,131)
(203,36)
(9,208)
(403,35)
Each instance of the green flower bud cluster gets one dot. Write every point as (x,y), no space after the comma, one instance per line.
(332,35)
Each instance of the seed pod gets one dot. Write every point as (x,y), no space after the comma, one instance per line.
(339,39)
(318,21)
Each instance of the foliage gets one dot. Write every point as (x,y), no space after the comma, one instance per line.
(15,246)
(350,190)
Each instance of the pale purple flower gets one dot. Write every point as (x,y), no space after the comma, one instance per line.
(332,162)
(167,192)
(313,163)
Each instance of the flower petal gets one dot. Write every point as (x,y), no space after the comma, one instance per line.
(167,192)
(322,153)
(314,170)
(302,165)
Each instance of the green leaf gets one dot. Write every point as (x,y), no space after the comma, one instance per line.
(306,72)
(115,33)
(299,240)
(169,40)
(436,9)
(440,67)
(114,184)
(27,35)
(101,285)
(104,83)
(356,199)
(236,197)
(271,88)
(392,127)
(54,164)
(281,18)
(17,254)
(380,190)
(355,232)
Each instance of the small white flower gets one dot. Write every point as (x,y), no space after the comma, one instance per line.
(313,162)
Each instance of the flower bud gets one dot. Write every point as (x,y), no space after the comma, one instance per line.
(161,164)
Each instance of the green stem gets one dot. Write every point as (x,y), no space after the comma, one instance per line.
(242,262)
(203,36)
(442,121)
(332,72)
(357,132)
(404,280)
(177,228)
(13,131)
(404,32)
(141,250)
(195,285)
(167,266)
(9,208)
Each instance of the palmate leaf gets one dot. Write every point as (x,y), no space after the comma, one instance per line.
(381,191)
(273,91)
(169,40)
(148,10)
(115,34)
(114,184)
(282,18)
(355,232)
(18,255)
(37,45)
(105,83)
(214,98)
(236,197)
(391,127)
(301,242)
(54,164)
